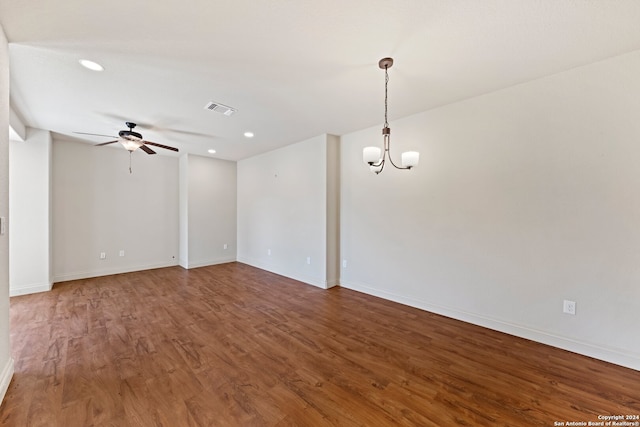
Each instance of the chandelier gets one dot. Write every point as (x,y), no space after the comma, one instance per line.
(374,156)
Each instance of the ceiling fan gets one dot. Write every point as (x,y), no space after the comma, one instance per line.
(131,140)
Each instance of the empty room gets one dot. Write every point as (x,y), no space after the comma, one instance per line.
(361,213)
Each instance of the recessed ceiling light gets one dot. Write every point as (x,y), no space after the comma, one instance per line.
(94,66)
(212,151)
(248,134)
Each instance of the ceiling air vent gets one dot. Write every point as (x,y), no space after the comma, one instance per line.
(220,108)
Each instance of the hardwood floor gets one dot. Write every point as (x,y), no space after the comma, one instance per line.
(231,345)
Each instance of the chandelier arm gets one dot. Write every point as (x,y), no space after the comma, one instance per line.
(396,166)
(387,150)
(380,165)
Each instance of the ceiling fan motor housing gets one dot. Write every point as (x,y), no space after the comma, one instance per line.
(130,135)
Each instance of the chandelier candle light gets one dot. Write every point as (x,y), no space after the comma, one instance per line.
(371,155)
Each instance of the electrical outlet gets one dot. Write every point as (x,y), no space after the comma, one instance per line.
(224,246)
(344,263)
(268,251)
(121,252)
(103,255)
(569,307)
(308,260)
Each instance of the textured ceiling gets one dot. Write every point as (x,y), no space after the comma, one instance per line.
(293,69)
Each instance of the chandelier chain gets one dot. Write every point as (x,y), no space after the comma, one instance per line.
(386,83)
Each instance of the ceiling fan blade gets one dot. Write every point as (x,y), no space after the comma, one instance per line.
(147,149)
(105,143)
(95,134)
(166,147)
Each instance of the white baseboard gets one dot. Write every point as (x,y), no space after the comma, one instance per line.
(5,378)
(109,271)
(332,283)
(607,354)
(31,289)
(205,263)
(295,275)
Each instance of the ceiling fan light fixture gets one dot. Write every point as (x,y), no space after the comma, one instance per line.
(93,66)
(131,144)
(248,134)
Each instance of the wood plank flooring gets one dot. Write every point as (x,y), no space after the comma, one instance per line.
(232,345)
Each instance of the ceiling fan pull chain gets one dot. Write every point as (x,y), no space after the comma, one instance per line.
(130,153)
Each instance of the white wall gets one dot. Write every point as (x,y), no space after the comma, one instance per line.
(211,210)
(282,209)
(98,206)
(29,201)
(523,198)
(6,362)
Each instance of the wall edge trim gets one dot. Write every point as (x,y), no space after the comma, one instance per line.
(5,378)
(29,289)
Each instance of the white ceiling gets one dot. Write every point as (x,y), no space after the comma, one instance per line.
(293,69)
